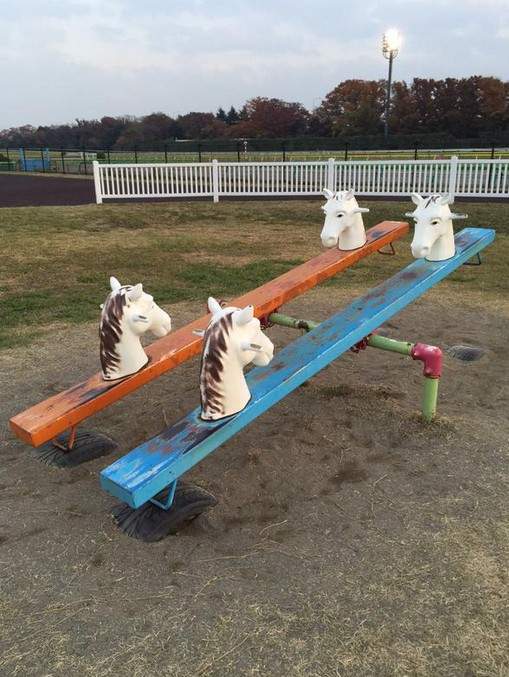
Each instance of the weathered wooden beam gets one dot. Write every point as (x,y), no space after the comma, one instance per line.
(49,418)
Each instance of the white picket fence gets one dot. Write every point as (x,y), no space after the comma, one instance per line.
(461,178)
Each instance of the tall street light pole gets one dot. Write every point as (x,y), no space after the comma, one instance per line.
(391,44)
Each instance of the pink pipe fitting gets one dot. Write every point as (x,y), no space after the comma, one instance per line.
(430,356)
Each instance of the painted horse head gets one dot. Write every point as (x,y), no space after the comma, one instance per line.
(343,225)
(434,234)
(127,314)
(232,340)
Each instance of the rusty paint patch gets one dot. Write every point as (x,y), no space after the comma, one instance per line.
(409,274)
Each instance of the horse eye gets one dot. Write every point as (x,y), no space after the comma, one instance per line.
(340,215)
(435,222)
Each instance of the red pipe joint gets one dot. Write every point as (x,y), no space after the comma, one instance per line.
(430,356)
(361,345)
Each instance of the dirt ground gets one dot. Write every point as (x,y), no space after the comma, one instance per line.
(350,538)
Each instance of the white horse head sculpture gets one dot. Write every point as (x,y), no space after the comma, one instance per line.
(434,234)
(231,341)
(127,313)
(343,225)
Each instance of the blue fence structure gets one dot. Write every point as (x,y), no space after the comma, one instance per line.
(41,164)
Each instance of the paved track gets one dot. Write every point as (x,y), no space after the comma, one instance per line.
(25,190)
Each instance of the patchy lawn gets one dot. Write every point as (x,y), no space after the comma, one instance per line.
(57,260)
(350,539)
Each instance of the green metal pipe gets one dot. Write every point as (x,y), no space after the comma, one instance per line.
(430,391)
(375,341)
(429,398)
(384,343)
(292,322)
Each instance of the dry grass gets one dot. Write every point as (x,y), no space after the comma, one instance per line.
(57,260)
(350,539)
(399,622)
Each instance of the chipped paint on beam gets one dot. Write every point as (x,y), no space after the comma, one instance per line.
(44,421)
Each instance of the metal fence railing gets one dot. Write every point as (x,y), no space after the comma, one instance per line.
(79,161)
(47,160)
(468,178)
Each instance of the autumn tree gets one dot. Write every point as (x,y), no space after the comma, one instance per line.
(454,108)
(493,103)
(463,108)
(131,137)
(476,107)
(353,107)
(403,118)
(272,118)
(110,129)
(200,126)
(158,127)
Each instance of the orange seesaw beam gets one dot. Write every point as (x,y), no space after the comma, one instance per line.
(46,420)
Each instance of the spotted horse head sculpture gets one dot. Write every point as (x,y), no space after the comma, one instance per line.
(127,314)
(343,226)
(434,235)
(232,340)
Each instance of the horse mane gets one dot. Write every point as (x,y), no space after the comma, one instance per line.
(110,330)
(431,200)
(211,368)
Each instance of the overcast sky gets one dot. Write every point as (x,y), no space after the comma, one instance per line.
(86,58)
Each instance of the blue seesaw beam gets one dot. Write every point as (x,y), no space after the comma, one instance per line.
(145,471)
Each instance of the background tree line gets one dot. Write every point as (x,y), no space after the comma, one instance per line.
(476,107)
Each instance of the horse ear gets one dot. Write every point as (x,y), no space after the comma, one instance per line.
(348,194)
(446,199)
(135,293)
(114,284)
(328,193)
(214,306)
(243,316)
(417,199)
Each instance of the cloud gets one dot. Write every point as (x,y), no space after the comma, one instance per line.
(62,60)
(107,41)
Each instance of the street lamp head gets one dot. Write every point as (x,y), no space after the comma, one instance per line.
(391,43)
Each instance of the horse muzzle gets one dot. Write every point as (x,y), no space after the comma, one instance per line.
(420,251)
(163,327)
(329,241)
